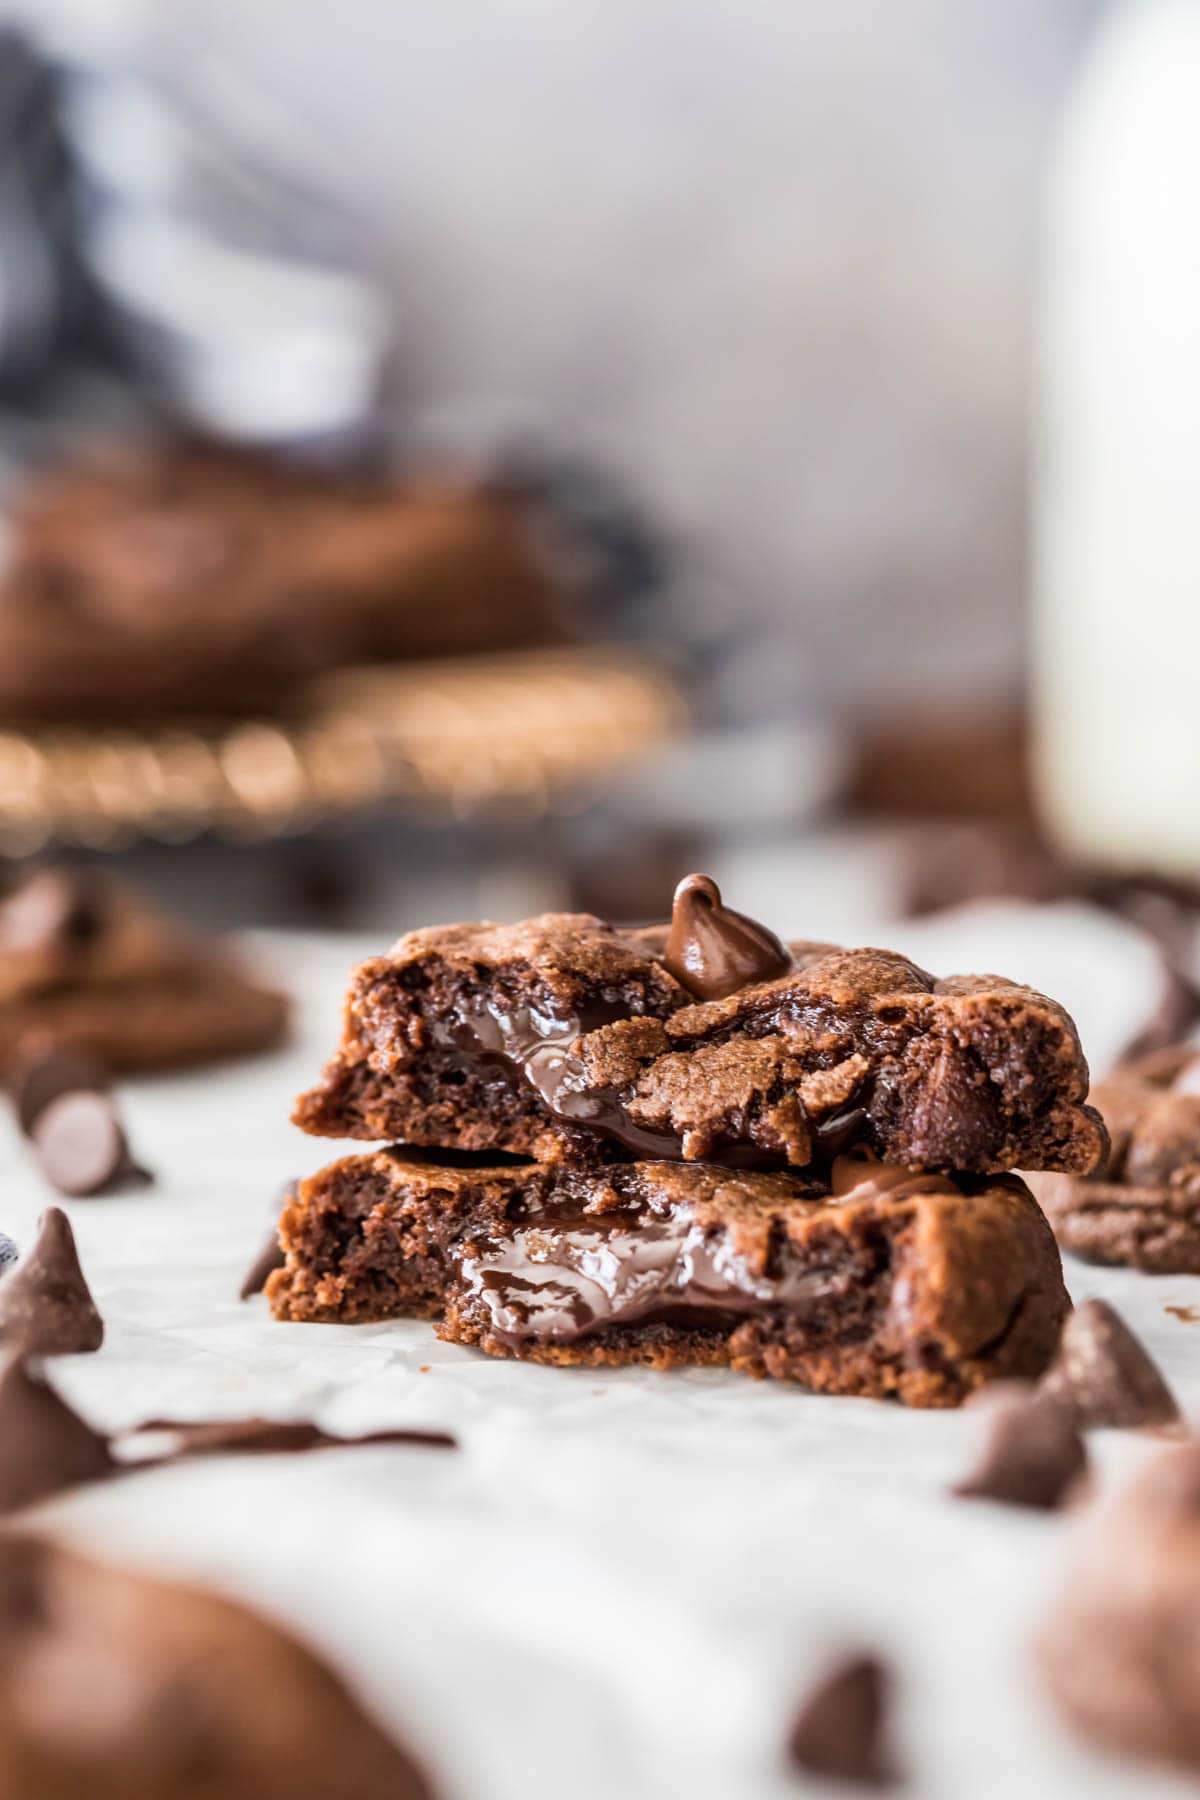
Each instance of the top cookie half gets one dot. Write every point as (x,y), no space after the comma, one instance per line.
(564,1038)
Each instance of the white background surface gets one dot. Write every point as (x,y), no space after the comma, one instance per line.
(621,1581)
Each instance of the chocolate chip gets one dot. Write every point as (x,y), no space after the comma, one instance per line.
(712,950)
(46,1306)
(43,1076)
(1104,1375)
(840,1729)
(1032,1453)
(269,1258)
(44,1446)
(81,1145)
(8,1252)
(210,1437)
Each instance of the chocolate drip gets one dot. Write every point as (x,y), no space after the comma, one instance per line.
(572,1273)
(712,950)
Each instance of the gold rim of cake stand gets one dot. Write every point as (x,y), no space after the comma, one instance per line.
(526,731)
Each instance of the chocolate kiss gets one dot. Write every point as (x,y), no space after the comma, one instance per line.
(44,1446)
(712,950)
(1104,1375)
(46,1306)
(841,1729)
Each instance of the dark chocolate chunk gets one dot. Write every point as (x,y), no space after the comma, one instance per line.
(44,1446)
(1032,1454)
(46,1306)
(81,1145)
(712,950)
(269,1258)
(1104,1375)
(840,1731)
(9,1253)
(41,1078)
(218,1437)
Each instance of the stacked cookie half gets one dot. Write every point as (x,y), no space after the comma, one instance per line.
(694,1144)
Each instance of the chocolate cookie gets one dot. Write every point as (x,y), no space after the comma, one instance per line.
(189,579)
(565,1039)
(1119,1649)
(1142,1204)
(115,1686)
(87,967)
(886,1283)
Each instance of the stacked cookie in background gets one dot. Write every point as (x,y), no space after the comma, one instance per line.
(1141,1205)
(96,983)
(694,1144)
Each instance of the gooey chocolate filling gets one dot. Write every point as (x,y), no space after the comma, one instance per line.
(566,1274)
(536,1044)
(711,951)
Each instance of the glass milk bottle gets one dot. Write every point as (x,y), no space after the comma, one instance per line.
(1116,615)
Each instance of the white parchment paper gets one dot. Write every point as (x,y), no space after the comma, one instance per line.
(621,1581)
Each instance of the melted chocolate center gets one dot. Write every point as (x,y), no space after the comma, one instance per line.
(571,1273)
(713,950)
(537,1043)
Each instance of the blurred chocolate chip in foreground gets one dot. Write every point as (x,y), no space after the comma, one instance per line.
(840,1731)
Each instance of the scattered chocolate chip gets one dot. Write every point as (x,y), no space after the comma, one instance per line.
(1032,1453)
(8,1252)
(1104,1375)
(41,1077)
(213,1437)
(44,1446)
(840,1729)
(269,1258)
(81,1145)
(712,950)
(46,1306)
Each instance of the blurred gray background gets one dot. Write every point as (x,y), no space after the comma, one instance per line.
(770,262)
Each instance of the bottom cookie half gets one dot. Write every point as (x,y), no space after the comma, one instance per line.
(883,1284)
